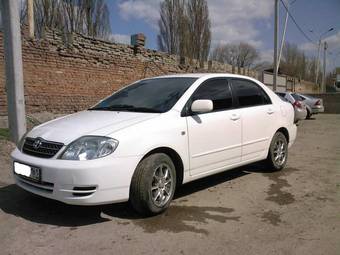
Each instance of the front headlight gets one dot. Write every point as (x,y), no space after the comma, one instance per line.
(90,147)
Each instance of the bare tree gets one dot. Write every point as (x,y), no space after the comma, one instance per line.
(227,53)
(199,30)
(47,15)
(247,54)
(73,16)
(242,55)
(96,17)
(311,69)
(184,28)
(297,64)
(171,26)
(89,17)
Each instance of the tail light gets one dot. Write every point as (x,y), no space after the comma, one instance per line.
(297,104)
(317,102)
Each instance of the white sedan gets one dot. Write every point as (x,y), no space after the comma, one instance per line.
(148,138)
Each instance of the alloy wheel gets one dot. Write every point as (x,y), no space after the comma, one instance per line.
(280,152)
(162,185)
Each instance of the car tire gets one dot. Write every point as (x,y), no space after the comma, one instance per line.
(153,185)
(278,152)
(309,115)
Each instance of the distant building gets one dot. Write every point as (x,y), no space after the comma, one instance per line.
(337,79)
(285,82)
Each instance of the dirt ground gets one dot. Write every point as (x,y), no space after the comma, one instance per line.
(243,211)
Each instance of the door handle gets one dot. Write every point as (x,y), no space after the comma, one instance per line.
(235,116)
(270,111)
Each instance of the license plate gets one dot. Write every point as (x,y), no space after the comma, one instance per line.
(28,172)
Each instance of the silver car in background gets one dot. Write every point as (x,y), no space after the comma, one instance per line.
(300,110)
(314,105)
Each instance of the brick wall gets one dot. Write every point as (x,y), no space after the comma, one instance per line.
(62,79)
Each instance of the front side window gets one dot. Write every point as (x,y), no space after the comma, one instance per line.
(216,90)
(249,94)
(152,95)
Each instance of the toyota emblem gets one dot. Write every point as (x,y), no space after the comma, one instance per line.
(37,143)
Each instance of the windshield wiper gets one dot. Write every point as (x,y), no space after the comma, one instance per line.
(123,107)
(112,107)
(142,109)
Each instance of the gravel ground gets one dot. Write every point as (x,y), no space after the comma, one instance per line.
(243,211)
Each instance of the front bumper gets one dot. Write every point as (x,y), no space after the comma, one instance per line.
(100,181)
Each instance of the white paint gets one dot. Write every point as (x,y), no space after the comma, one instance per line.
(206,143)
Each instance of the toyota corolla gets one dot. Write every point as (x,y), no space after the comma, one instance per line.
(143,141)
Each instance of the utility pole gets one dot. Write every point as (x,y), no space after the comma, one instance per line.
(13,69)
(324,68)
(318,60)
(30,18)
(276,35)
(287,6)
(282,40)
(317,66)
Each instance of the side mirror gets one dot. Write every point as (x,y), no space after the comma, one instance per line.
(202,106)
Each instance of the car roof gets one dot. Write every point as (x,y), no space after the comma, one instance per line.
(201,75)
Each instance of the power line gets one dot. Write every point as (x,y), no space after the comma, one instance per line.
(296,24)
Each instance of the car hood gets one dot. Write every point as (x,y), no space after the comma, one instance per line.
(68,128)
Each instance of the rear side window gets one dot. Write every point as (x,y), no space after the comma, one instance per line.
(218,91)
(249,94)
(282,97)
(297,97)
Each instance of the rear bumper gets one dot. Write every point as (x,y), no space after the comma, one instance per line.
(318,109)
(299,114)
(92,182)
(292,130)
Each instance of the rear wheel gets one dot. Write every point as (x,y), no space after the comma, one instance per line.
(278,152)
(153,184)
(309,114)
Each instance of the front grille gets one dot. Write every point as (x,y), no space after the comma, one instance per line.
(46,149)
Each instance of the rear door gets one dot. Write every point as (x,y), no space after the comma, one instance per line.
(258,118)
(214,137)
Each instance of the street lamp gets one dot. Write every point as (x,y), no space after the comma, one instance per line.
(319,46)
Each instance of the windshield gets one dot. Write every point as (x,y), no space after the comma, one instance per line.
(153,95)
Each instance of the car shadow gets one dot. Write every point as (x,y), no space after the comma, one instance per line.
(17,202)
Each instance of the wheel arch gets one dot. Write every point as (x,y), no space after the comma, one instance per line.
(309,108)
(284,131)
(176,159)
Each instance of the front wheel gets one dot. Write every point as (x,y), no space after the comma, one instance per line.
(153,184)
(278,152)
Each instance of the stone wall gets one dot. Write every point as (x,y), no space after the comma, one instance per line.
(63,78)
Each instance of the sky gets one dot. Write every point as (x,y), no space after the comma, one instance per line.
(233,21)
